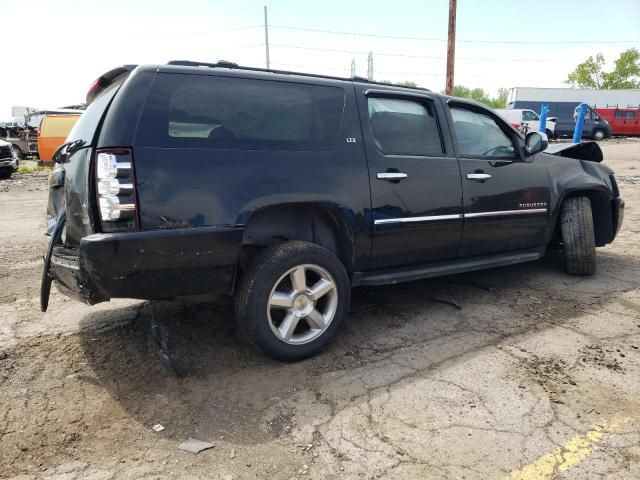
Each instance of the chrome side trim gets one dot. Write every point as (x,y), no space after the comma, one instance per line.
(432,218)
(524,211)
(435,218)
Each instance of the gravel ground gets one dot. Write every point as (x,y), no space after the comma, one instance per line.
(517,372)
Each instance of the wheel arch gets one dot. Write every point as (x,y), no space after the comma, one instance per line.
(601,212)
(326,225)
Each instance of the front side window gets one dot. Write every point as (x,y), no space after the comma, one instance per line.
(479,135)
(237,113)
(405,127)
(629,115)
(529,116)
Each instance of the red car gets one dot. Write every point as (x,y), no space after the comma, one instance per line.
(623,121)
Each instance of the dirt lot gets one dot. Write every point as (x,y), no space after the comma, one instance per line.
(518,372)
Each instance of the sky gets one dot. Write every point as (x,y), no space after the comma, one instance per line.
(68,44)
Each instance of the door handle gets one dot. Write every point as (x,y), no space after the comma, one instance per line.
(478,177)
(391,175)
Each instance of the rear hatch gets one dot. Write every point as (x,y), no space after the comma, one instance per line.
(70,182)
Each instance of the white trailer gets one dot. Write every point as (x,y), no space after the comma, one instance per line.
(595,98)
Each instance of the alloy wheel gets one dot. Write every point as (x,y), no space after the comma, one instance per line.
(302,304)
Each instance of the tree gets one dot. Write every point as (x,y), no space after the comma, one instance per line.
(481,96)
(406,83)
(626,73)
(589,74)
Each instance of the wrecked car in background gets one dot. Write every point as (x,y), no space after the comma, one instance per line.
(9,160)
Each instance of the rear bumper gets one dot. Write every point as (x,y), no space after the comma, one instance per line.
(154,265)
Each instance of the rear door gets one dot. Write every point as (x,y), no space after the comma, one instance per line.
(416,194)
(630,122)
(618,122)
(505,197)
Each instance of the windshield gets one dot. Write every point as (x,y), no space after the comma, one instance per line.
(85,128)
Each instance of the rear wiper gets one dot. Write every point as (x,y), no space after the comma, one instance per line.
(66,149)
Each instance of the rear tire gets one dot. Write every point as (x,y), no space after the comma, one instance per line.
(292,300)
(578,236)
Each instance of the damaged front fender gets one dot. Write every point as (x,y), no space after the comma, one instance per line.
(589,151)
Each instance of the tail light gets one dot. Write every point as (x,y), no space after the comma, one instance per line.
(115,189)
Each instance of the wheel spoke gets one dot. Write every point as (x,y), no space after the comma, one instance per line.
(280,300)
(287,326)
(321,288)
(315,320)
(299,280)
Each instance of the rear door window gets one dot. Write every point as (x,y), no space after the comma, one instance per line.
(618,114)
(405,127)
(198,111)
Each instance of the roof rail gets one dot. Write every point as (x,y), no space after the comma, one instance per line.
(235,66)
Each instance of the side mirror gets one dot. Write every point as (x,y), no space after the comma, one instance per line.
(535,142)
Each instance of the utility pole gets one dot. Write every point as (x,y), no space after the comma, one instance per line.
(451,47)
(353,67)
(370,67)
(266,37)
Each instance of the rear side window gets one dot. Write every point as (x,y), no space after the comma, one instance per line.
(235,113)
(629,115)
(405,127)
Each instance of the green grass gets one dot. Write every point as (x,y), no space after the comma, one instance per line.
(37,168)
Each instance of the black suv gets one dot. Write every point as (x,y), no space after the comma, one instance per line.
(287,189)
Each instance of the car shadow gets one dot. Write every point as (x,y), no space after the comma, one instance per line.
(234,390)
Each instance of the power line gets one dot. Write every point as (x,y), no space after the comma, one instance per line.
(428,39)
(403,55)
(335,32)
(316,68)
(205,32)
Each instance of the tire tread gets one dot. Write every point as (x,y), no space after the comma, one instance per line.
(578,236)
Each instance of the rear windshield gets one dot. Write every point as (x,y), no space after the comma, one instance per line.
(197,111)
(85,128)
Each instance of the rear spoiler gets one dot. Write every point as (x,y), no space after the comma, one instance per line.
(107,79)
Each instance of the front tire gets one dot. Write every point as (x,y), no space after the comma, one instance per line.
(598,134)
(578,236)
(292,300)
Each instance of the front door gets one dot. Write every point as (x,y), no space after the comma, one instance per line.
(416,197)
(506,197)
